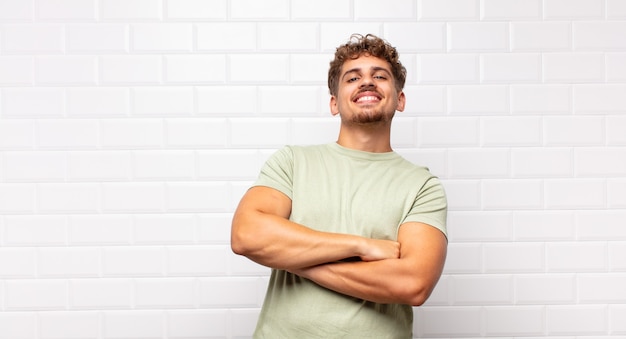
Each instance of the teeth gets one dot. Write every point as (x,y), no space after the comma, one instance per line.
(367,98)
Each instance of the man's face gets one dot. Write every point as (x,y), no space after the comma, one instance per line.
(366,92)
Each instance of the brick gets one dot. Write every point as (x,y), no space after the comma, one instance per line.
(162,37)
(515,320)
(122,133)
(17,198)
(16,70)
(32,38)
(267,10)
(544,225)
(227,100)
(19,324)
(616,193)
(599,98)
(98,102)
(138,261)
(100,229)
(617,256)
(463,194)
(448,10)
(228,164)
(616,67)
(599,35)
(478,163)
(196,132)
(244,68)
(478,36)
(464,258)
(510,68)
(37,295)
(68,197)
(67,134)
(69,262)
(198,197)
(245,292)
(196,9)
(165,293)
(289,101)
(469,226)
(65,10)
(511,10)
(572,257)
(130,69)
(601,288)
(197,261)
(305,10)
(242,36)
(309,131)
(531,162)
(594,162)
(447,68)
(615,9)
(164,229)
(600,225)
(541,99)
(75,70)
(199,324)
(16,11)
(163,165)
(333,34)
(577,9)
(100,38)
(310,69)
(478,290)
(558,193)
(512,194)
(133,197)
(402,132)
(372,9)
(243,132)
(615,127)
(556,289)
(131,9)
(616,314)
(576,319)
(18,263)
(33,102)
(17,134)
(432,322)
(35,230)
(573,67)
(514,257)
(214,228)
(34,166)
(540,36)
(288,36)
(511,131)
(573,131)
(460,132)
(485,99)
(195,69)
(417,36)
(99,165)
(425,100)
(70,325)
(100,293)
(133,324)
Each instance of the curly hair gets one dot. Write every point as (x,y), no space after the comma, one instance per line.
(369,44)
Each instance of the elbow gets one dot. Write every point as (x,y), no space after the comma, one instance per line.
(414,294)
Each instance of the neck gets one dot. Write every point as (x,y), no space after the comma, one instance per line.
(375,139)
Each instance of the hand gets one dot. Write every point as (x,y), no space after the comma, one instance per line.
(377,249)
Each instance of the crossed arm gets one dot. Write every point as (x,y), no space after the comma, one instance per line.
(403,272)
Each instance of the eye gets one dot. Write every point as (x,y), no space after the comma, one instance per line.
(353,79)
(379,77)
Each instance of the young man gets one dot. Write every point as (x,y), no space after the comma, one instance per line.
(355,234)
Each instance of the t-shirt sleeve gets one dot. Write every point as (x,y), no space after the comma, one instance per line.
(277,172)
(430,206)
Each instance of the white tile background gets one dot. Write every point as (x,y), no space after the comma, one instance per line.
(129,129)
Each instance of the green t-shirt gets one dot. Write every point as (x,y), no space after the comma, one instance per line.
(340,190)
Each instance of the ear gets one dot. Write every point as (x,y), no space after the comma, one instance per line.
(401,102)
(334,109)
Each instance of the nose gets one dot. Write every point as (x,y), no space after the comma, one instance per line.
(366,81)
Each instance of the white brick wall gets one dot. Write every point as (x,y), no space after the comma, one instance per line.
(129,129)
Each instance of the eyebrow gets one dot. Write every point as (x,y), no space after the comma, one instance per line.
(373,68)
